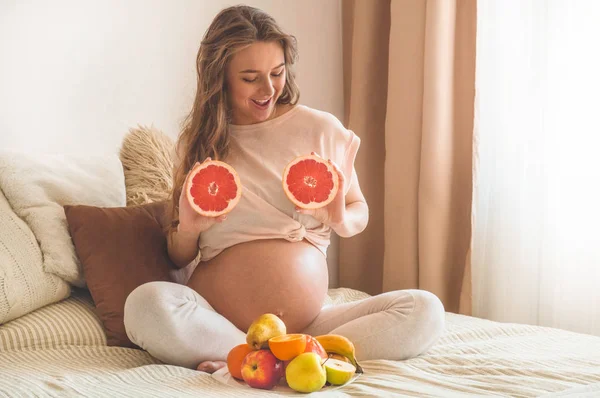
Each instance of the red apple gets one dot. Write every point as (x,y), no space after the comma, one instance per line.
(284,365)
(260,369)
(313,345)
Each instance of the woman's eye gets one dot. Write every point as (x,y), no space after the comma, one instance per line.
(256,78)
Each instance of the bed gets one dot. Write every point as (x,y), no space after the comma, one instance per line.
(55,339)
(60,351)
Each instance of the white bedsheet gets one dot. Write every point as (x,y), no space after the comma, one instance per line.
(60,351)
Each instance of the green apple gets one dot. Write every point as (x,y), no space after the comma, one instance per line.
(338,372)
(305,373)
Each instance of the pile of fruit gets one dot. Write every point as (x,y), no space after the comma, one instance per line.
(305,363)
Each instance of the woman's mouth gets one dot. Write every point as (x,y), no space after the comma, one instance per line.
(262,104)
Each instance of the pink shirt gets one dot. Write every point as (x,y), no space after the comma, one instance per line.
(259,153)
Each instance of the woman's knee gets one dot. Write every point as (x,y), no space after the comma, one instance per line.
(429,316)
(146,306)
(429,305)
(150,295)
(416,303)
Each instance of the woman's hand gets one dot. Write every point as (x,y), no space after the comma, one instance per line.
(191,222)
(334,214)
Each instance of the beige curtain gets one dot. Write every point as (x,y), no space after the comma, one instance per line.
(409,91)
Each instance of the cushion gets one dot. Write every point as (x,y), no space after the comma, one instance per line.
(147,157)
(38,185)
(24,285)
(121,248)
(70,322)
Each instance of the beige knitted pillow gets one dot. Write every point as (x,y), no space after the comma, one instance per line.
(38,185)
(24,285)
(147,157)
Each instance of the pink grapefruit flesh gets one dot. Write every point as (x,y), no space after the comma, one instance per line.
(213,188)
(310,182)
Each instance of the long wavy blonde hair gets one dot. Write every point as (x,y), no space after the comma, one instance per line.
(205,129)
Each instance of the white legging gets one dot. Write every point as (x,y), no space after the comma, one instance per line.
(179,327)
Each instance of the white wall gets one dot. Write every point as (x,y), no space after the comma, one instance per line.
(76,74)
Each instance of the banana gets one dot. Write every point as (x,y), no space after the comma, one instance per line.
(339,345)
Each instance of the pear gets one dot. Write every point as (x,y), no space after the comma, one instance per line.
(338,372)
(262,329)
(305,373)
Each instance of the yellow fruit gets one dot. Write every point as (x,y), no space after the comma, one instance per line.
(334,343)
(338,372)
(264,328)
(305,373)
(333,355)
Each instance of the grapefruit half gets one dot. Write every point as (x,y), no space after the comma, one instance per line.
(213,188)
(310,182)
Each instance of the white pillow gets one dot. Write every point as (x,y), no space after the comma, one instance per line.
(37,186)
(24,286)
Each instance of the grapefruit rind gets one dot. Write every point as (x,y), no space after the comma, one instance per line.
(311,204)
(190,183)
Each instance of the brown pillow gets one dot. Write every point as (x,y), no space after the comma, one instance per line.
(121,248)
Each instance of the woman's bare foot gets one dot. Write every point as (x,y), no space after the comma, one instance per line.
(211,366)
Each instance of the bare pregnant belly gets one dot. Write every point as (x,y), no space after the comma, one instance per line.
(265,276)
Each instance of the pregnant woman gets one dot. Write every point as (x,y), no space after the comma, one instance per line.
(266,255)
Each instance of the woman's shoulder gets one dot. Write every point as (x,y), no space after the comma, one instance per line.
(325,126)
(318,118)
(330,137)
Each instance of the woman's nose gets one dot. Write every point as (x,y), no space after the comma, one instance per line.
(267,88)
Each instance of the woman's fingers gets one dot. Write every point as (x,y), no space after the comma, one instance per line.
(341,177)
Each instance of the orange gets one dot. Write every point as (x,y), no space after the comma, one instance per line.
(310,182)
(236,357)
(287,346)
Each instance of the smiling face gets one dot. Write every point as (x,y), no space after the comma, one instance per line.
(255,79)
